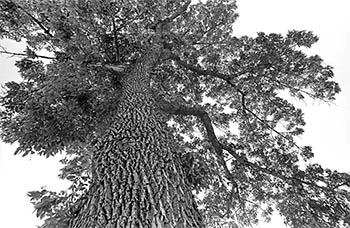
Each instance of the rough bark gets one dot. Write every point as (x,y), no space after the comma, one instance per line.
(138,180)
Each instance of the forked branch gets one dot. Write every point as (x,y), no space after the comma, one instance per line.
(180,109)
(227,78)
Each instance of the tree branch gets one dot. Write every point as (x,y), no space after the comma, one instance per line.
(179,12)
(271,172)
(201,71)
(219,147)
(159,25)
(180,109)
(120,68)
(261,120)
(291,87)
(23,54)
(227,78)
(46,30)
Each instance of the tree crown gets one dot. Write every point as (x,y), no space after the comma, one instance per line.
(222,93)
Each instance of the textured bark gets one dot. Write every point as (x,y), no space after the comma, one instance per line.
(138,180)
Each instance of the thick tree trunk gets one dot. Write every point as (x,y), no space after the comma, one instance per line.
(138,181)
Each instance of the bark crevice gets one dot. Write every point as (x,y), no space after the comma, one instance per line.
(139,179)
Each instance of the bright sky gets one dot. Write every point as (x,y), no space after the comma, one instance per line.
(327,129)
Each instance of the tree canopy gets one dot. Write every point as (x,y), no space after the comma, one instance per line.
(223,95)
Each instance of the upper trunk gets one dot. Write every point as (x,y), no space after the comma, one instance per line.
(138,181)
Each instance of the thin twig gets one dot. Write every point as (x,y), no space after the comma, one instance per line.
(263,121)
(23,54)
(273,173)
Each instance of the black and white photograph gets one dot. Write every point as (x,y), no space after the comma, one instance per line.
(174,114)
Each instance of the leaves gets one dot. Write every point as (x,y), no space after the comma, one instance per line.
(302,38)
(45,201)
(52,108)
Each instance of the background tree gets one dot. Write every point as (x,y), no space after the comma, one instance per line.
(207,79)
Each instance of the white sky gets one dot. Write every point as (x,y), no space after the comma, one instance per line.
(327,129)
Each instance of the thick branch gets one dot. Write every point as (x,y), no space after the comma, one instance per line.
(219,147)
(227,78)
(183,110)
(179,109)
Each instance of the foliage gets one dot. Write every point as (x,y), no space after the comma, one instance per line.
(238,81)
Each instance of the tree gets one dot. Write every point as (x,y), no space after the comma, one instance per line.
(167,119)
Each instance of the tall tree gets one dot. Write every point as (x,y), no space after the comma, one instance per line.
(167,119)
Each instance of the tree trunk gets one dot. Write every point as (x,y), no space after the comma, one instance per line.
(139,181)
